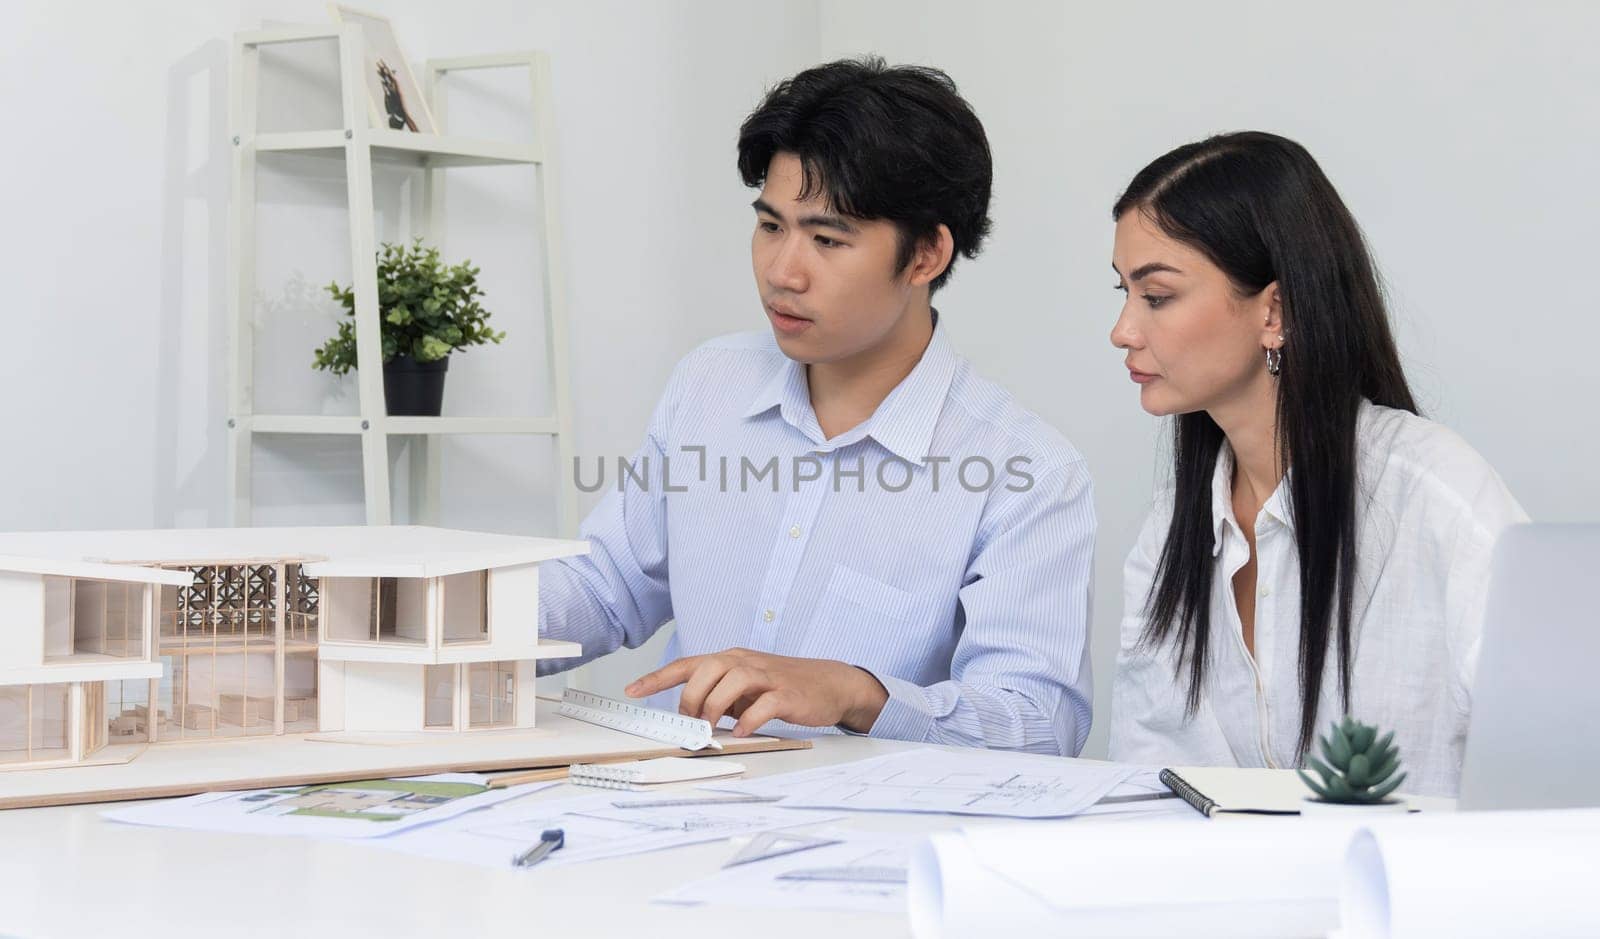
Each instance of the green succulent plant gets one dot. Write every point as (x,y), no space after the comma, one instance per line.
(1360,767)
(426,309)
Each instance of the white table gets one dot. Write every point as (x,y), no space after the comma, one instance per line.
(67,872)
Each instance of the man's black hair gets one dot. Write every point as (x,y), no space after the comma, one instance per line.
(899,144)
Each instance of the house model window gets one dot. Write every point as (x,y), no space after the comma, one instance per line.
(119,640)
(466,607)
(33,723)
(219,648)
(86,618)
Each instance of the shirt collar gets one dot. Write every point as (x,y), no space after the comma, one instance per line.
(1276,508)
(786,390)
(903,423)
(1277,505)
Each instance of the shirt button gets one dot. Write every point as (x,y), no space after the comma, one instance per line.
(794,532)
(769,616)
(1266,592)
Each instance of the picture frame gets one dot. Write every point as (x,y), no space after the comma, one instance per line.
(394,99)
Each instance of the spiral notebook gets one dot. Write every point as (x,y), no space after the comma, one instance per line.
(1237,791)
(1226,790)
(647,774)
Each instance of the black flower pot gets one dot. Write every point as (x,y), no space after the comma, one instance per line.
(412,388)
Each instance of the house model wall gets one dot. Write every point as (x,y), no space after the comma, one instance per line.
(112,639)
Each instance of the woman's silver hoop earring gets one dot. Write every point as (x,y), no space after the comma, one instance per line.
(1274,361)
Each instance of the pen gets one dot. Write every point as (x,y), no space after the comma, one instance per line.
(1137,797)
(550,840)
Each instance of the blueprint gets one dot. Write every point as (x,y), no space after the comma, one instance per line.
(368,808)
(959,782)
(784,784)
(595,827)
(863,872)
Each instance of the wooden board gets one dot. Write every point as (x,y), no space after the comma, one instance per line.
(186,768)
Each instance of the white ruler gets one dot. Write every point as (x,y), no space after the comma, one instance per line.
(690,733)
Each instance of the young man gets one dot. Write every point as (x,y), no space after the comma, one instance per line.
(851,529)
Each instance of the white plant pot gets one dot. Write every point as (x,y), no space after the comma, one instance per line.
(1316,807)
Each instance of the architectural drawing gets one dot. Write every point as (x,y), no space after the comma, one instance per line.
(364,808)
(114,641)
(380,800)
(1016,785)
(600,826)
(859,872)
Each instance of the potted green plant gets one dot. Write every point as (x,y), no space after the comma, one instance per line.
(426,310)
(1359,774)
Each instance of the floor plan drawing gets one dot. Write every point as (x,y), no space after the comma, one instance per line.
(964,783)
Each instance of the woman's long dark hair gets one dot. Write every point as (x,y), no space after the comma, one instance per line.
(1258,206)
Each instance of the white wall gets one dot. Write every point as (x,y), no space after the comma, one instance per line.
(118,181)
(1462,136)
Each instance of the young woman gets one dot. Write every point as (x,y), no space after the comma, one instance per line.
(1321,549)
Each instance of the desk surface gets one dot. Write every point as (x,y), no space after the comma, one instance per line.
(67,872)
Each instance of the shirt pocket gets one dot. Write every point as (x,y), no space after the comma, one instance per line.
(856,614)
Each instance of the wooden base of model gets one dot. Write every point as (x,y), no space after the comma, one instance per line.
(260,762)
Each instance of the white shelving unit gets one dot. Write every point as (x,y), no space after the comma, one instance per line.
(360,145)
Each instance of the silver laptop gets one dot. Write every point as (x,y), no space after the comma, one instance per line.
(1533,740)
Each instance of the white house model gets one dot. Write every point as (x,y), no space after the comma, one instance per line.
(111,639)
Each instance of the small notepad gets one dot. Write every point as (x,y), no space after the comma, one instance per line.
(1218,791)
(645,774)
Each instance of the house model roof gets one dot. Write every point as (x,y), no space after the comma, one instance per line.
(125,573)
(346,551)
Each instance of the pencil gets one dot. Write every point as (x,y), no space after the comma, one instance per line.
(537,775)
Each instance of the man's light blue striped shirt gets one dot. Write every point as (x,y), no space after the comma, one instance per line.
(945,545)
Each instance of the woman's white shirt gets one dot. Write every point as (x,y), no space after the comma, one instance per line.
(1429,510)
